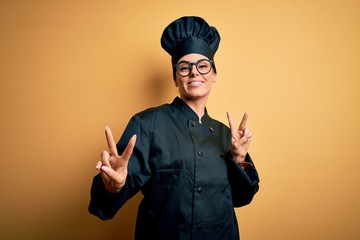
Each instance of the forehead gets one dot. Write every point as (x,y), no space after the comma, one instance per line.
(192,57)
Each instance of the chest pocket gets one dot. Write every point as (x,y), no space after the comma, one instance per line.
(170,178)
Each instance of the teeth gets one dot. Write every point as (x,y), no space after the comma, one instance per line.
(195,84)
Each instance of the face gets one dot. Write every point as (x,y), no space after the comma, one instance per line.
(195,86)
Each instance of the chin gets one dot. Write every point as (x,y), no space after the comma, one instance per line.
(194,96)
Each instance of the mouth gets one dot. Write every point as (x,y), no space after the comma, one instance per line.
(195,83)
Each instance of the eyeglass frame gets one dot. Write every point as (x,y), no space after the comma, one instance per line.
(191,64)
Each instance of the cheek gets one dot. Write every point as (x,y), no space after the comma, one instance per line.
(179,81)
(211,78)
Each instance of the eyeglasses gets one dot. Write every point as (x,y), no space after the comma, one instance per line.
(184,68)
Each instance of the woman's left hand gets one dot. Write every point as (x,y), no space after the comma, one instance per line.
(240,140)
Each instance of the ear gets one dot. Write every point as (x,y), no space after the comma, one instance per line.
(214,78)
(176,84)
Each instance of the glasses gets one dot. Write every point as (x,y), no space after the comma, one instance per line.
(184,68)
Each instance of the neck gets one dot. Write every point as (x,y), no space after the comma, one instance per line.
(198,106)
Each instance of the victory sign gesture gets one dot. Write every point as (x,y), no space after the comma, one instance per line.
(240,140)
(114,168)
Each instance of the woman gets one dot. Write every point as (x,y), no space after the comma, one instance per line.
(191,169)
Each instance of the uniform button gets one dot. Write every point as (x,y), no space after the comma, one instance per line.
(211,129)
(199,189)
(198,227)
(200,153)
(193,124)
(221,226)
(222,190)
(222,155)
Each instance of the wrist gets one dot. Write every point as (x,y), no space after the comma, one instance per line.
(239,159)
(112,189)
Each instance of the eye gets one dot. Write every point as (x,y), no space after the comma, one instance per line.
(203,66)
(184,68)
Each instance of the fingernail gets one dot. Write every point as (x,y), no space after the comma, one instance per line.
(98,165)
(104,168)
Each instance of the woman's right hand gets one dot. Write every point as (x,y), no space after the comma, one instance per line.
(114,168)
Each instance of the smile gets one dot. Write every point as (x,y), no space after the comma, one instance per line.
(195,83)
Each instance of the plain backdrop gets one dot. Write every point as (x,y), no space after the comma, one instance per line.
(69,68)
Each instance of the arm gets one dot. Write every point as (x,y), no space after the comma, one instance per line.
(244,182)
(104,204)
(107,200)
(242,174)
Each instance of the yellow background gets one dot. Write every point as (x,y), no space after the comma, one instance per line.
(68,68)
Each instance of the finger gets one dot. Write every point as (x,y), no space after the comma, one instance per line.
(246,137)
(105,158)
(245,140)
(103,169)
(247,134)
(110,141)
(241,133)
(242,142)
(108,173)
(129,149)
(231,123)
(104,176)
(243,122)
(98,165)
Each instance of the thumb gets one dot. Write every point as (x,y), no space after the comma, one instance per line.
(109,172)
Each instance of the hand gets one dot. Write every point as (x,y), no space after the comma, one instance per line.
(113,168)
(240,140)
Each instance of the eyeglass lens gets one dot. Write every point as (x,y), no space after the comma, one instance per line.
(184,68)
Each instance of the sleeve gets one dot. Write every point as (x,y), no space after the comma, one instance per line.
(104,204)
(244,182)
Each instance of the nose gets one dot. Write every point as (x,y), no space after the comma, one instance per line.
(193,70)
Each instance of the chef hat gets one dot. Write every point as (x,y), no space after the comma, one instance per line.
(190,35)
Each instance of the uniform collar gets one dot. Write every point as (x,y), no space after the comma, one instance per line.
(188,112)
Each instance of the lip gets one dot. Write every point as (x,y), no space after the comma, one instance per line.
(195,83)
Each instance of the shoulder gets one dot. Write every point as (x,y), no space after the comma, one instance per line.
(151,117)
(152,112)
(143,122)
